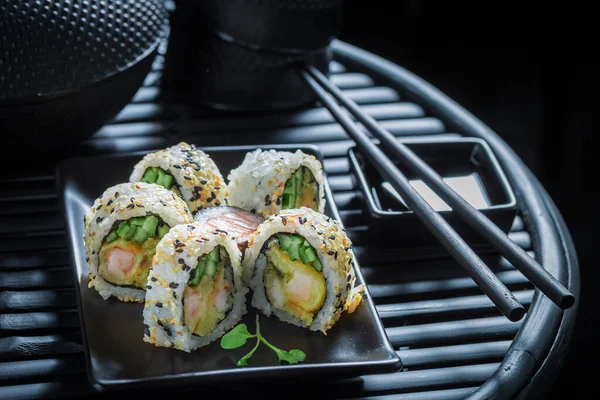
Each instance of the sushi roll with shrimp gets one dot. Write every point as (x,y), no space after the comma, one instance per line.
(195,288)
(231,220)
(187,171)
(269,181)
(122,230)
(299,264)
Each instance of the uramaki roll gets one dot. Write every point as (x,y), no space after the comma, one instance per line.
(269,181)
(195,288)
(122,230)
(187,171)
(299,264)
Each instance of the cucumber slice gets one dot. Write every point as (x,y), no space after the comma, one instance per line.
(131,232)
(111,237)
(284,241)
(198,272)
(296,240)
(311,255)
(167,181)
(214,254)
(288,201)
(137,221)
(299,181)
(141,235)
(162,231)
(150,225)
(303,256)
(293,252)
(150,175)
(317,265)
(211,267)
(123,229)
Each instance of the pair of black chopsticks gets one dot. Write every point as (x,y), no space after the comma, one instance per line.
(328,93)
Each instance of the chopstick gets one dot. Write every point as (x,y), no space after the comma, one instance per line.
(489,283)
(528,266)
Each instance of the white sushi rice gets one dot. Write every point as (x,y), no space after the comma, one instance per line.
(120,203)
(334,250)
(196,174)
(176,257)
(257,184)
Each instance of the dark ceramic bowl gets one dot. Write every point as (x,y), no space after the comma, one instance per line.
(69,67)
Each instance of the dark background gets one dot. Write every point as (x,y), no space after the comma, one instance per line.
(526,71)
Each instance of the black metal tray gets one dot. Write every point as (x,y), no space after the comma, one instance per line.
(112,331)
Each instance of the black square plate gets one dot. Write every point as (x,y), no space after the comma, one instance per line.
(117,356)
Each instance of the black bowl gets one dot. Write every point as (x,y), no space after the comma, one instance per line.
(69,67)
(289,26)
(204,69)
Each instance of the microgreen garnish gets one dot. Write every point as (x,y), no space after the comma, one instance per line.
(238,336)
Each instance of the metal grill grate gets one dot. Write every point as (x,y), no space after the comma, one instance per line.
(449,336)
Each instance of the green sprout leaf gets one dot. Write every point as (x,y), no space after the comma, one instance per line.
(237,337)
(244,360)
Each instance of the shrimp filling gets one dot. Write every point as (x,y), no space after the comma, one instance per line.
(208,297)
(127,263)
(127,251)
(293,285)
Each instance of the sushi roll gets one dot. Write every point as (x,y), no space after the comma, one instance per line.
(187,171)
(232,220)
(195,288)
(122,230)
(269,181)
(299,264)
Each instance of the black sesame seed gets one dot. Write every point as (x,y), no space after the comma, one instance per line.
(330,252)
(94,252)
(132,199)
(196,168)
(346,248)
(112,210)
(332,237)
(283,220)
(99,207)
(213,195)
(348,287)
(218,203)
(116,194)
(217,187)
(141,206)
(181,261)
(278,201)
(267,198)
(153,279)
(173,285)
(168,331)
(338,295)
(130,206)
(177,166)
(191,227)
(348,279)
(179,251)
(109,202)
(335,255)
(163,203)
(87,259)
(187,178)
(147,331)
(210,199)
(159,304)
(253,211)
(203,181)
(174,295)
(186,267)
(159,322)
(148,287)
